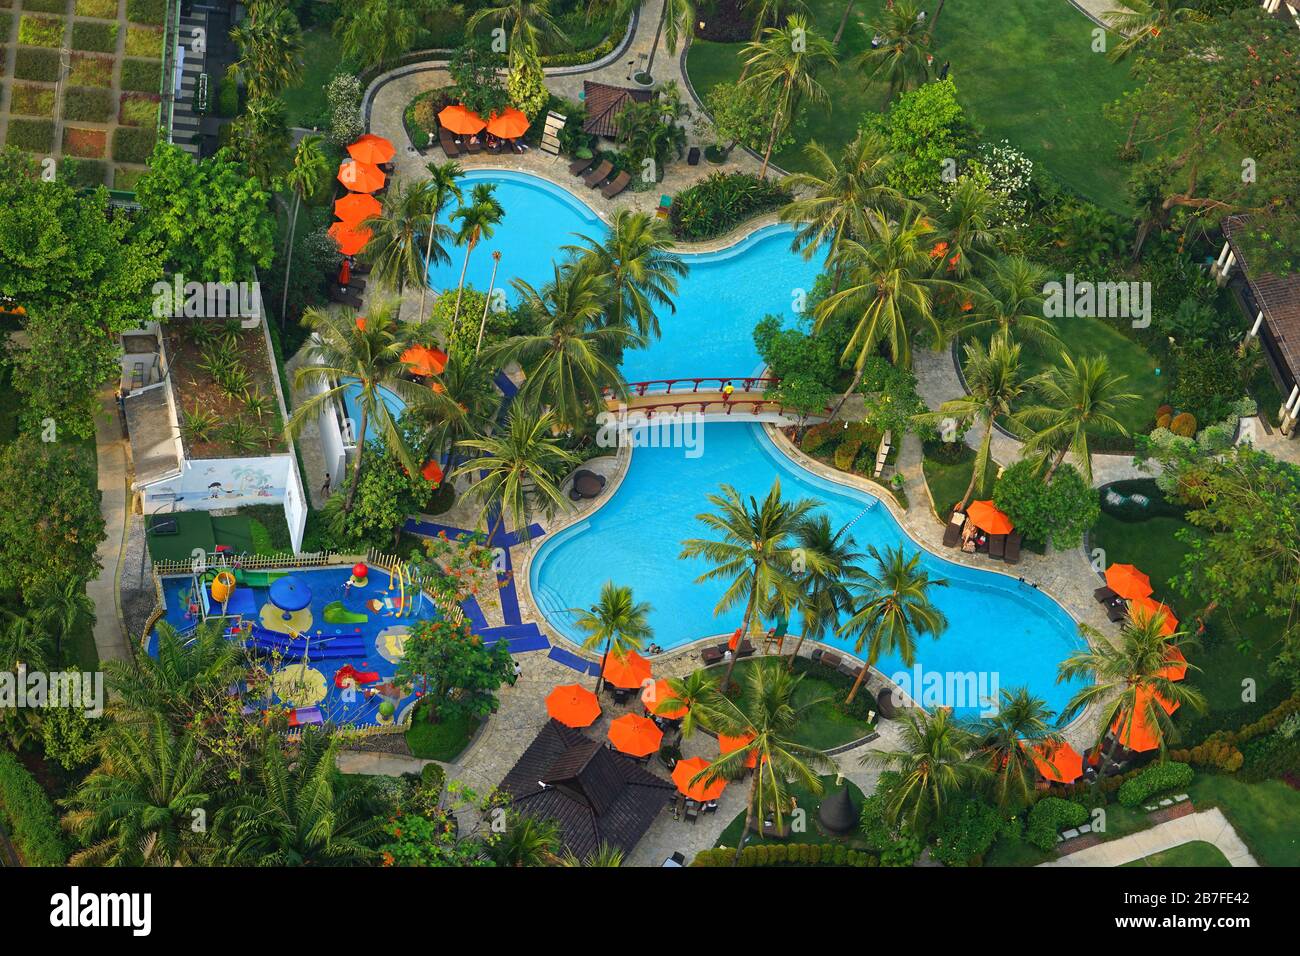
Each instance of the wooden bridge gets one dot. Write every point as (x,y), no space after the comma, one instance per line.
(746,400)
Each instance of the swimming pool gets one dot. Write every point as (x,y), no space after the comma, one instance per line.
(996,624)
(718,302)
(352,408)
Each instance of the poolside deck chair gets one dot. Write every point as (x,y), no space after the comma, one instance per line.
(1013,547)
(448,143)
(952,533)
(580,166)
(1104,595)
(849,669)
(692,811)
(831,660)
(1116,613)
(616,185)
(599,174)
(551,133)
(746,649)
(472,147)
(711,655)
(997,546)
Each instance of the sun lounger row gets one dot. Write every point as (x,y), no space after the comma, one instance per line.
(1000,547)
(846,666)
(714,655)
(594,177)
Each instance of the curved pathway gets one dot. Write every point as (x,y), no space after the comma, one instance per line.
(1209,826)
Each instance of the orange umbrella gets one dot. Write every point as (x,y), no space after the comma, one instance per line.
(733,642)
(635,735)
(425,361)
(1140,609)
(701,791)
(1136,733)
(629,671)
(1057,762)
(372,149)
(573,705)
(1127,581)
(1177,668)
(660,700)
(361,177)
(432,471)
(460,120)
(985,516)
(355,208)
(351,240)
(508,124)
(728,745)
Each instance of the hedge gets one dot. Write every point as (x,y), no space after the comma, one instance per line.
(94,105)
(33,64)
(29,815)
(1128,510)
(1157,778)
(103,9)
(146,11)
(35,136)
(133,145)
(141,76)
(788,854)
(143,41)
(1050,816)
(100,37)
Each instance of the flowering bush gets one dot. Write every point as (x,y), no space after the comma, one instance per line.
(1007,173)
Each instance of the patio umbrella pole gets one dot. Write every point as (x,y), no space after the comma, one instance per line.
(496,261)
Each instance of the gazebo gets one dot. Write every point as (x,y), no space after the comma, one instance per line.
(604,103)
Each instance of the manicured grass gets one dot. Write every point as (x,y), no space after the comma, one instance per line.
(804,800)
(141,76)
(86,173)
(143,41)
(89,70)
(1026,74)
(146,11)
(138,110)
(43,6)
(34,64)
(132,144)
(441,741)
(1196,853)
(1120,821)
(6,22)
(124,178)
(1263,814)
(321,55)
(948,480)
(93,105)
(100,37)
(40,31)
(28,100)
(103,9)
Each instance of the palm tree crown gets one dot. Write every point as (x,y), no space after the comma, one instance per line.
(1079,399)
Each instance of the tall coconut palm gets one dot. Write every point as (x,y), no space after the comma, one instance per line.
(444,185)
(636,256)
(752,552)
(527,23)
(826,585)
(405,234)
(1127,679)
(695,692)
(305,176)
(964,233)
(933,765)
(894,610)
(300,811)
(902,57)
(675,20)
(615,623)
(995,383)
(1141,21)
(174,680)
(463,404)
(1079,399)
(768,713)
(832,201)
(786,61)
(521,467)
(24,640)
(136,808)
(1010,300)
(477,221)
(603,856)
(348,352)
(1003,738)
(270,47)
(569,359)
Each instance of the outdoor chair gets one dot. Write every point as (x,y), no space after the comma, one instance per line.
(997,546)
(692,811)
(580,166)
(746,649)
(831,660)
(599,174)
(616,185)
(952,533)
(1013,547)
(693,156)
(1104,595)
(448,143)
(710,655)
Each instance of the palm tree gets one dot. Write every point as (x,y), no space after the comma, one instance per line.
(1010,301)
(894,611)
(932,765)
(374,32)
(1126,678)
(695,692)
(902,57)
(1079,399)
(365,354)
(963,226)
(526,841)
(444,184)
(300,811)
(137,807)
(994,380)
(528,23)
(260,138)
(832,201)
(614,623)
(303,179)
(570,360)
(1140,21)
(675,20)
(520,467)
(1003,739)
(62,609)
(826,587)
(462,404)
(786,60)
(751,552)
(395,249)
(270,47)
(478,220)
(23,641)
(604,855)
(643,272)
(768,713)
(175,680)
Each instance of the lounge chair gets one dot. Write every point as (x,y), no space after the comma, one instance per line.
(997,546)
(473,147)
(599,174)
(580,166)
(616,185)
(952,533)
(850,669)
(746,649)
(692,811)
(448,143)
(831,660)
(711,655)
(1104,595)
(1117,613)
(1013,547)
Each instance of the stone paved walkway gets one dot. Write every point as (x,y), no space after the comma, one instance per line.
(1210,826)
(111,450)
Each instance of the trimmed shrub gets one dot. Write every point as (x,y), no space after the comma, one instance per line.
(146,11)
(1163,419)
(33,64)
(138,110)
(1154,780)
(100,37)
(94,105)
(143,41)
(1183,425)
(1050,816)
(722,201)
(29,100)
(787,854)
(141,76)
(103,9)
(35,136)
(49,6)
(90,70)
(966,833)
(132,145)
(1137,499)
(29,815)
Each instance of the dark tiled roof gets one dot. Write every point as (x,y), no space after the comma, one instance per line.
(1278,296)
(595,794)
(604,103)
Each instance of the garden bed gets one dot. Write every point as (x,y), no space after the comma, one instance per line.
(84,143)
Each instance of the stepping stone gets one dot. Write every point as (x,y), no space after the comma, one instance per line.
(1166,802)
(1070,834)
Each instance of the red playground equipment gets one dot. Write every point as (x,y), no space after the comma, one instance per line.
(349,676)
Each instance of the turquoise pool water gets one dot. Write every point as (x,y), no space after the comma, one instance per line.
(353,410)
(718,303)
(996,625)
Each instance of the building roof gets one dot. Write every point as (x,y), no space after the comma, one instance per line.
(604,103)
(1277,296)
(153,435)
(595,794)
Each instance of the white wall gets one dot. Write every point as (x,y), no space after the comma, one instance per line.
(333,449)
(295,506)
(212,483)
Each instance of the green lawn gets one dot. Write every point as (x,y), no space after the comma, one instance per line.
(1263,814)
(444,740)
(948,481)
(1026,74)
(321,55)
(805,801)
(1196,853)
(1120,822)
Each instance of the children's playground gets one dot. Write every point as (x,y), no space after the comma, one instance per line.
(328,638)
